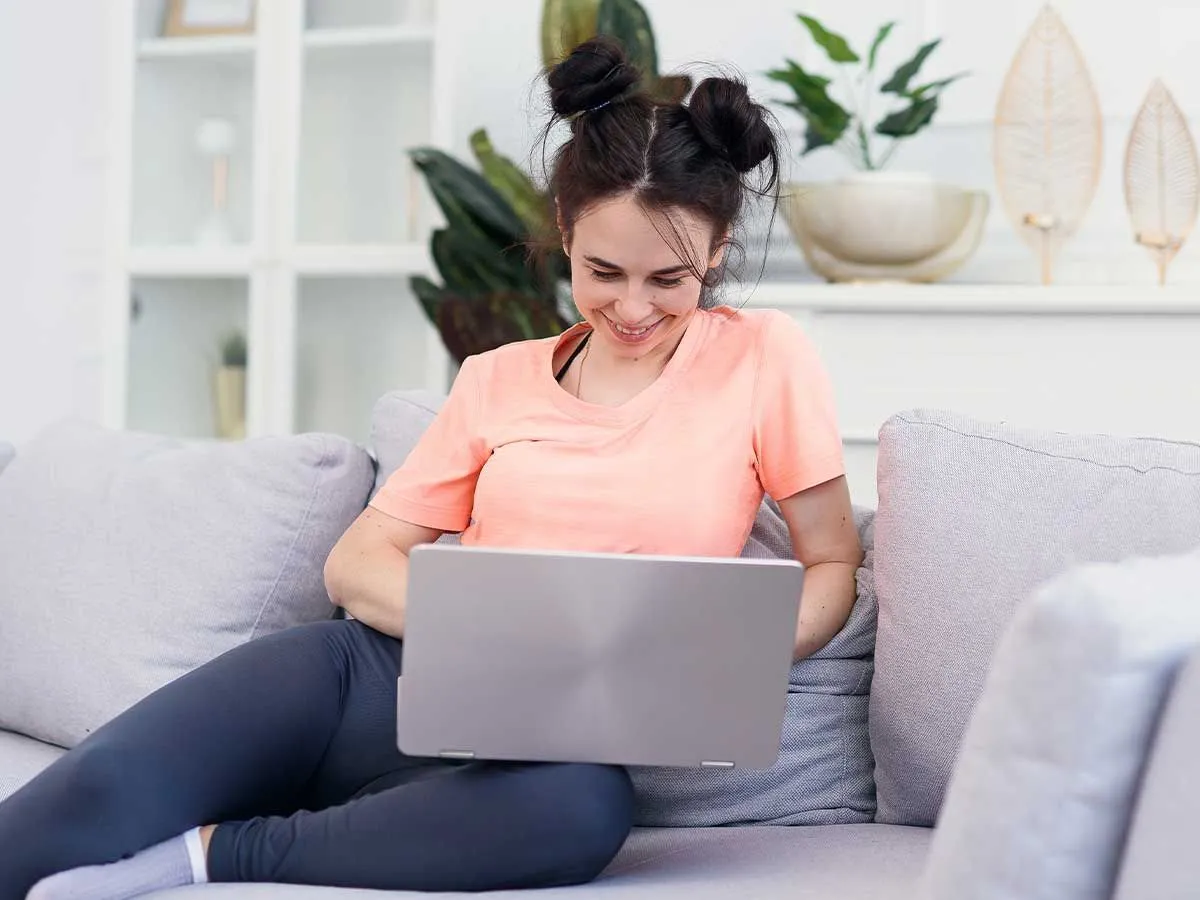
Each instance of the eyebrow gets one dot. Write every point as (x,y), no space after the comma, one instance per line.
(605,264)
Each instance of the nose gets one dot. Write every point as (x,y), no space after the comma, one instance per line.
(634,305)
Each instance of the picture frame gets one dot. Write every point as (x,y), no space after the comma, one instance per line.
(196,18)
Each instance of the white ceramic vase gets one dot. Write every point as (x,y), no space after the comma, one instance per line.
(230,399)
(885,226)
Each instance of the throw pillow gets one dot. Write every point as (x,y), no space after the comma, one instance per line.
(130,559)
(824,772)
(972,516)
(1052,759)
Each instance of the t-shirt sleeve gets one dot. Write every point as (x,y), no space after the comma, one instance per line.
(797,442)
(435,486)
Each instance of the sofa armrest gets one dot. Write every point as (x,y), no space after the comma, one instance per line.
(1160,858)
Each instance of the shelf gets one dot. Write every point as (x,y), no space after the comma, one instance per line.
(364,260)
(190,262)
(969,299)
(234,48)
(335,39)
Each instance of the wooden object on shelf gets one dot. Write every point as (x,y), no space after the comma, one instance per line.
(230,397)
(1048,141)
(199,18)
(1162,178)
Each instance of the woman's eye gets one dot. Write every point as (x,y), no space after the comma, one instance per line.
(605,276)
(669,282)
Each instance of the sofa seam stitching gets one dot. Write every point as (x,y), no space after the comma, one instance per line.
(1049,455)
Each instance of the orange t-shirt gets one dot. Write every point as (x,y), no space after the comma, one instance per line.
(514,460)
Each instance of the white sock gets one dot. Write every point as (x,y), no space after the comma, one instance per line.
(170,864)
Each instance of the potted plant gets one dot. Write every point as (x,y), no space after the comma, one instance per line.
(230,388)
(874,224)
(490,295)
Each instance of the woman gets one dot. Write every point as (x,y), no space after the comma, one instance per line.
(653,426)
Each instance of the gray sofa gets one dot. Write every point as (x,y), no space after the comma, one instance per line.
(1022,668)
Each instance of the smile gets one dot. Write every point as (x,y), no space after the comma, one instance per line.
(632,335)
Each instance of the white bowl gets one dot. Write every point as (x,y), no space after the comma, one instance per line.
(879,225)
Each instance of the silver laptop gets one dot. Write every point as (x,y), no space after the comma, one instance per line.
(605,658)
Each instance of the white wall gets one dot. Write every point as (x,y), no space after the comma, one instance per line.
(52,106)
(53,109)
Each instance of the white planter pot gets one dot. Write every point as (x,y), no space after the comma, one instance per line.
(230,398)
(878,226)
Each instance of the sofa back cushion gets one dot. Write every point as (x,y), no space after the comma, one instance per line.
(973,516)
(130,559)
(824,771)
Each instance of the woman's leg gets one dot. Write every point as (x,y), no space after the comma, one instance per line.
(482,826)
(239,736)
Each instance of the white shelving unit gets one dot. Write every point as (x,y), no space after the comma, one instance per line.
(327,217)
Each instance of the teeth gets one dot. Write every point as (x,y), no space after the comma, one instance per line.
(631,331)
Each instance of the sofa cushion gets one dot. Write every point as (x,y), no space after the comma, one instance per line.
(846,862)
(824,772)
(7,452)
(1160,858)
(1043,792)
(21,758)
(972,516)
(130,559)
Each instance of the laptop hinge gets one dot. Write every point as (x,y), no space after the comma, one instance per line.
(716,764)
(456,754)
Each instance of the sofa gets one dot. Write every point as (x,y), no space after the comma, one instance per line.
(1012,711)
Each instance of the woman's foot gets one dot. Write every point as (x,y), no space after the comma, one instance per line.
(173,863)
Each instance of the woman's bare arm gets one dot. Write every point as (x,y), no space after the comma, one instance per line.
(367,570)
(821,523)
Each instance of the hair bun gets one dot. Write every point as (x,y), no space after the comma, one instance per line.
(595,73)
(730,123)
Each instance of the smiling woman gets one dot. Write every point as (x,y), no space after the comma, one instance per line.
(654,426)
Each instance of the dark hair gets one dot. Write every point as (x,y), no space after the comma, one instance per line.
(701,155)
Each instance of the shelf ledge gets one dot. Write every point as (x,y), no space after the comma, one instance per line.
(233,47)
(971,299)
(346,38)
(362,260)
(190,262)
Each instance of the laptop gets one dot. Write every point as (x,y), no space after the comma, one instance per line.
(592,657)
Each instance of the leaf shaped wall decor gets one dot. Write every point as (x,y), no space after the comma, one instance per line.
(1048,140)
(1162,178)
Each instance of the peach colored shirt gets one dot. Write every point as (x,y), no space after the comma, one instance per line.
(514,460)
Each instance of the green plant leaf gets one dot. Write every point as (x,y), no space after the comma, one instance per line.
(826,118)
(466,198)
(934,87)
(900,79)
(628,22)
(565,25)
(834,45)
(511,183)
(884,31)
(910,120)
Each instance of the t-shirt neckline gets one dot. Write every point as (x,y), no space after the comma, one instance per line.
(641,404)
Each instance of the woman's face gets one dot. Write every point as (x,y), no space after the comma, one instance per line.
(629,283)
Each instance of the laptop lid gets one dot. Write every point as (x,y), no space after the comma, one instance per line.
(605,658)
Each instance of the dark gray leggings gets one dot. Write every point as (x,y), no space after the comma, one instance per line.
(290,743)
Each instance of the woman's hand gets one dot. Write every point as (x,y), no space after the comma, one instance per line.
(820,521)
(367,570)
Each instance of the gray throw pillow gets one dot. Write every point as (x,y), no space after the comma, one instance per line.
(972,517)
(130,559)
(824,772)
